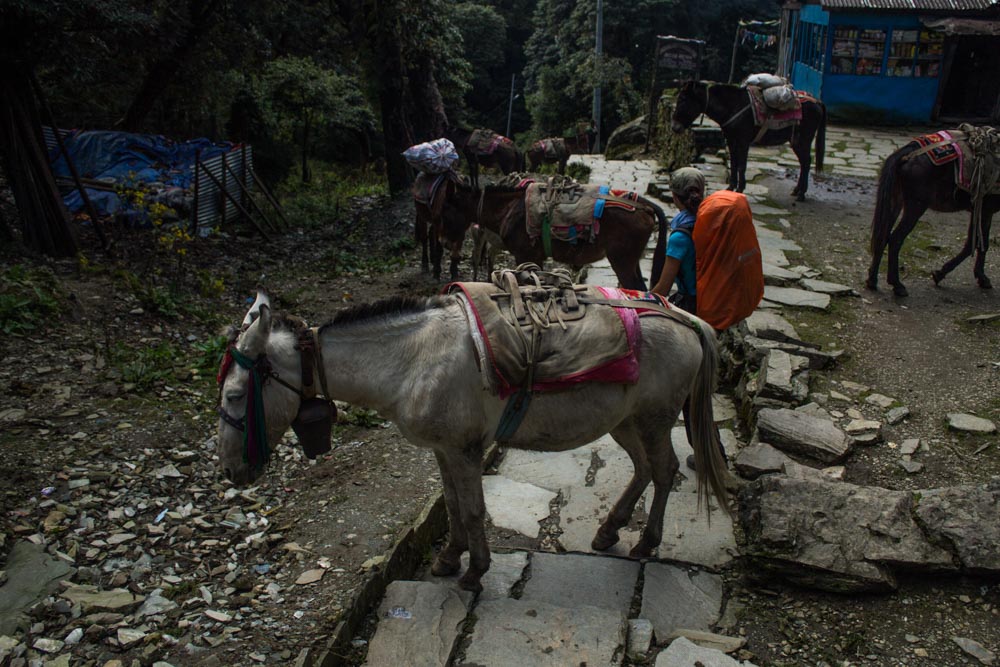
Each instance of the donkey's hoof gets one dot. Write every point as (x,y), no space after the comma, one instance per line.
(470,582)
(871,284)
(640,550)
(603,541)
(445,568)
(801,197)
(984,283)
(900,290)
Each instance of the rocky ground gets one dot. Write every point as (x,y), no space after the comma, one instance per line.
(123,544)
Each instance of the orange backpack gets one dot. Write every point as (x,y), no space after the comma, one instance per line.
(730,274)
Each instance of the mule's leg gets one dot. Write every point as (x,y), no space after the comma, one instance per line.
(562,166)
(607,535)
(962,255)
(734,162)
(879,250)
(456,257)
(912,211)
(449,560)
(980,269)
(663,468)
(742,171)
(802,151)
(467,474)
(437,251)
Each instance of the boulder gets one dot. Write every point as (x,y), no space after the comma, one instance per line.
(757,347)
(835,536)
(629,135)
(968,519)
(759,459)
(801,433)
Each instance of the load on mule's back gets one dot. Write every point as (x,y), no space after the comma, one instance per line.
(743,115)
(950,170)
(487,148)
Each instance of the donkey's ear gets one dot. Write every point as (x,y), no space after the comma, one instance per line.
(254,312)
(253,343)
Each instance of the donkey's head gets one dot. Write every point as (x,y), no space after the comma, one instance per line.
(255,412)
(692,98)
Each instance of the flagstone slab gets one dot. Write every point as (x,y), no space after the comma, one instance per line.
(418,625)
(31,574)
(688,535)
(506,570)
(549,470)
(685,653)
(516,505)
(759,459)
(824,287)
(970,423)
(790,296)
(801,433)
(537,634)
(675,597)
(573,580)
(765,324)
(776,275)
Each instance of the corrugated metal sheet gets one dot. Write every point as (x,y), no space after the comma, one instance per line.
(911,5)
(214,208)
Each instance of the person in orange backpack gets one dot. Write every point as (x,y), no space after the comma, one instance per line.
(687,185)
(712,255)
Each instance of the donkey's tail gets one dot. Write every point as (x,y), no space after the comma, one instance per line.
(886,206)
(660,252)
(821,137)
(710,466)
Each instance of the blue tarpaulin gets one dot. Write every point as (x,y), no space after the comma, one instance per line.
(117,157)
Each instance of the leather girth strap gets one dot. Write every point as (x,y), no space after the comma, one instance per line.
(312,360)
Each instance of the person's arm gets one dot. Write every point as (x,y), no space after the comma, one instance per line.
(670,268)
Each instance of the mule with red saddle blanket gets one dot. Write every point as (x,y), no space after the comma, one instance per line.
(744,120)
(938,172)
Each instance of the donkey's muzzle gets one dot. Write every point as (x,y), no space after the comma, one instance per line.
(313,425)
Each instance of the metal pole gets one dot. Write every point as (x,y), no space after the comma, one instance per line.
(736,42)
(510,104)
(598,49)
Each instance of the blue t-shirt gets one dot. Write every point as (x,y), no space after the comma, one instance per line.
(680,246)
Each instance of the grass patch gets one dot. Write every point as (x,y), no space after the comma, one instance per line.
(28,296)
(146,367)
(579,171)
(325,200)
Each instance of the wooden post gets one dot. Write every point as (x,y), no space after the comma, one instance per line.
(651,113)
(245,195)
(197,192)
(270,198)
(235,203)
(50,119)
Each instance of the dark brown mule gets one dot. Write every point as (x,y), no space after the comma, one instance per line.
(622,238)
(563,148)
(435,227)
(729,106)
(910,187)
(505,157)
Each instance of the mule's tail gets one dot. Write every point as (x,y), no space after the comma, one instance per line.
(821,137)
(660,252)
(710,465)
(886,209)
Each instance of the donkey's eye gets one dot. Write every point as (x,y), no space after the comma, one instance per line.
(235,395)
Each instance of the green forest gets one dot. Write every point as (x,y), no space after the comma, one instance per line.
(349,83)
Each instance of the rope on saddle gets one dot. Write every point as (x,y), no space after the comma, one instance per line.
(984,144)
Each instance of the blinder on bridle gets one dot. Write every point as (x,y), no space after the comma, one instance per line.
(314,420)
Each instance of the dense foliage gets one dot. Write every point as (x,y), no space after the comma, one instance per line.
(351,81)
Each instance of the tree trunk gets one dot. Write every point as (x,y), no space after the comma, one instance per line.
(44,219)
(428,111)
(162,72)
(391,92)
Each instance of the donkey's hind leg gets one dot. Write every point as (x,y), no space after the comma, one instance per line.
(628,437)
(980,269)
(962,255)
(449,559)
(663,466)
(912,211)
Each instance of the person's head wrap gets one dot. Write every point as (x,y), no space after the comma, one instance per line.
(685,179)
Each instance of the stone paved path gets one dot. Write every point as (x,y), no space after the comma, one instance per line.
(582,607)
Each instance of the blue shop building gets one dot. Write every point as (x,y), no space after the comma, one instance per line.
(895,61)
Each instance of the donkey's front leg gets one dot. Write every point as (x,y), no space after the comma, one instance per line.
(663,467)
(980,267)
(467,474)
(449,559)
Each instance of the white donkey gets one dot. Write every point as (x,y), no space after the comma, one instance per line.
(412,360)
